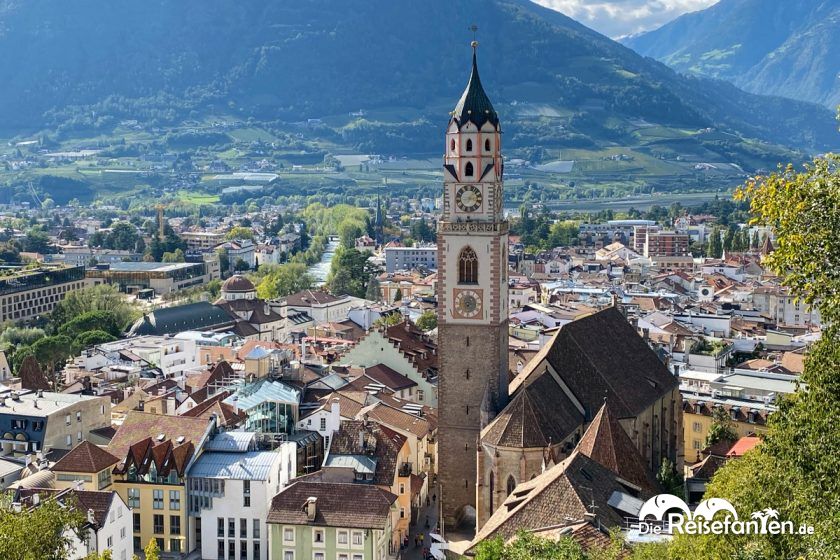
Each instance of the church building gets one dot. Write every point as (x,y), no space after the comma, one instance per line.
(472,294)
(492,437)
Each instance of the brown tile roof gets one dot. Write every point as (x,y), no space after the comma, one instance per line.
(85,458)
(256,311)
(139,426)
(564,492)
(84,500)
(590,537)
(379,442)
(356,506)
(398,420)
(794,361)
(415,345)
(307,298)
(226,415)
(606,442)
(600,356)
(539,415)
(389,377)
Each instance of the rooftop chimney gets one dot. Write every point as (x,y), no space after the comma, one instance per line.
(311,508)
(90,517)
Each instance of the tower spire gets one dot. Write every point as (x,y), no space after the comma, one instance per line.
(474,104)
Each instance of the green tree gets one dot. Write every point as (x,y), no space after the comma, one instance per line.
(350,272)
(36,241)
(398,295)
(373,292)
(427,320)
(9,252)
(224,260)
(794,469)
(722,427)
(715,249)
(177,256)
(123,236)
(52,353)
(19,336)
(239,232)
(152,551)
(671,480)
(527,546)
(729,239)
(92,321)
(283,280)
(91,338)
(349,230)
(389,320)
(45,532)
(104,297)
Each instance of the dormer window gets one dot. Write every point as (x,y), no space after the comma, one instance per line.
(468,170)
(469,147)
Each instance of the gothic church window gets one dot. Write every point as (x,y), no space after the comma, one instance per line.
(452,145)
(468,170)
(469,145)
(492,490)
(487,145)
(511,484)
(467,266)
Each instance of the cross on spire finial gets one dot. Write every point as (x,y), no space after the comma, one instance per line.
(474,29)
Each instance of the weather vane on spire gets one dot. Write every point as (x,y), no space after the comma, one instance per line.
(474,43)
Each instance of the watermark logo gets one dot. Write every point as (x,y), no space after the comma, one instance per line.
(669,514)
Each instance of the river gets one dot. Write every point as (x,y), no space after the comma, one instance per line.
(321,269)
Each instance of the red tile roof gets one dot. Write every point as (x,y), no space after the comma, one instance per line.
(85,458)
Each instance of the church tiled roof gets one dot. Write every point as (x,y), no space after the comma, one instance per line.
(474,104)
(539,415)
(568,491)
(600,356)
(606,442)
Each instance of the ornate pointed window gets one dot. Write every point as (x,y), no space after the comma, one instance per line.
(511,484)
(487,145)
(469,145)
(468,170)
(467,266)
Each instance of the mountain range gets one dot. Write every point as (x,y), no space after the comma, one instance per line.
(90,63)
(774,47)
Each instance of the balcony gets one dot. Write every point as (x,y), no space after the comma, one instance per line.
(405,470)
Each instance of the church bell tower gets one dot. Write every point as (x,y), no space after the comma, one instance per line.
(472,294)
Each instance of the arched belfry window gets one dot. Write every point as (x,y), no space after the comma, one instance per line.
(468,170)
(467,266)
(511,484)
(487,145)
(452,145)
(469,145)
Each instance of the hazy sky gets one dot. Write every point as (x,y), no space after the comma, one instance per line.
(615,18)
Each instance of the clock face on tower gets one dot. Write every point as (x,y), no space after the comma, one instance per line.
(468,304)
(468,198)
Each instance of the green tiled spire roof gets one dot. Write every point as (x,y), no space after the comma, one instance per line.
(474,104)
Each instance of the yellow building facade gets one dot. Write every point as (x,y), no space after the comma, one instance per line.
(748,418)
